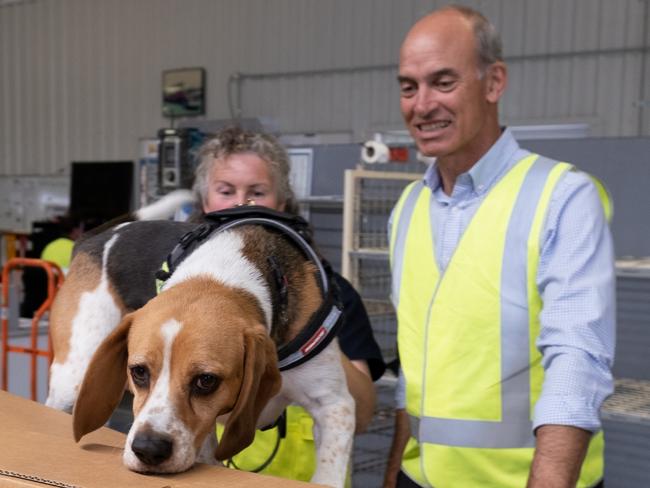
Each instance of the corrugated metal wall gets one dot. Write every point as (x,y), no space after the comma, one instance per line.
(80,79)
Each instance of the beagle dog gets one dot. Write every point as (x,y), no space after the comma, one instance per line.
(204,350)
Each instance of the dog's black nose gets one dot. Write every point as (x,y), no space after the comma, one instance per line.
(152,449)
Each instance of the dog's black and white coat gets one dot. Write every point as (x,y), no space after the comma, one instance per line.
(203,349)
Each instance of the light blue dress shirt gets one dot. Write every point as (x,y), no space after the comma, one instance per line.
(575,278)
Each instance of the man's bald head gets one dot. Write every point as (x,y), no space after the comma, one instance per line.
(487,40)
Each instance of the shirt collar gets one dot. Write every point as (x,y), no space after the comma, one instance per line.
(487,170)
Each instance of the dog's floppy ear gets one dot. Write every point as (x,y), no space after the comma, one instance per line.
(261,381)
(104,381)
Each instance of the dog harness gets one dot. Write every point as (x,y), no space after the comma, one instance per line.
(324,323)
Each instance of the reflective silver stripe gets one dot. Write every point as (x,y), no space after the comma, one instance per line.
(515,428)
(471,433)
(329,322)
(400,239)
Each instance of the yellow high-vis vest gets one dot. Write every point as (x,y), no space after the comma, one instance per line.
(466,337)
(59,252)
(292,457)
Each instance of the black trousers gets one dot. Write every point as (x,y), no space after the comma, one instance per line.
(404,481)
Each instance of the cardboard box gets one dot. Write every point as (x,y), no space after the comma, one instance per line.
(37,449)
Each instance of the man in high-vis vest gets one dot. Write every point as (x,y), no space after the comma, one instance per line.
(503,282)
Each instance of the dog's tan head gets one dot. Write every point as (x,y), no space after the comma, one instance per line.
(195,352)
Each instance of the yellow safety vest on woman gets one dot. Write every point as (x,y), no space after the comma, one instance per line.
(467,337)
(292,457)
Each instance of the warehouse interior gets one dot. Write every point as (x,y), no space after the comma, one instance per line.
(93,125)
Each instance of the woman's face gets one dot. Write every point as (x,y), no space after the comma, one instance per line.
(241,179)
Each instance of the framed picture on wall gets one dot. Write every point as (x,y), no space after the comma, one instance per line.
(183,92)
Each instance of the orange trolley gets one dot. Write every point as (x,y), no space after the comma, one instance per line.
(54,281)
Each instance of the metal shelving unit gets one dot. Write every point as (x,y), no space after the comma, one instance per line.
(369,197)
(626,414)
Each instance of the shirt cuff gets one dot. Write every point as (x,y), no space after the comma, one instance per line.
(566,410)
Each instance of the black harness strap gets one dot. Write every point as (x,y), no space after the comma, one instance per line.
(281,290)
(324,323)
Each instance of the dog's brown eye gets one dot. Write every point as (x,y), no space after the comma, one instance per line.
(204,384)
(140,375)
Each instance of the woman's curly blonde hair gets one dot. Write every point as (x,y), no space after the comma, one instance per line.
(235,140)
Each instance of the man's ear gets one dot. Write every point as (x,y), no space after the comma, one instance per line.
(496,81)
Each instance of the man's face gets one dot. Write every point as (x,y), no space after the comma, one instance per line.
(443,97)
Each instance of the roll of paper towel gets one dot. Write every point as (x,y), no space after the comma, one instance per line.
(375,152)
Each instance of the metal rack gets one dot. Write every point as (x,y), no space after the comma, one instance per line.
(368,201)
(626,423)
(371,448)
(369,197)
(54,281)
(626,414)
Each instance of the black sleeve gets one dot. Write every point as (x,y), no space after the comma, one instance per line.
(355,335)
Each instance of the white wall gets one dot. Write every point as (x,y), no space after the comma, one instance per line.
(80,79)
